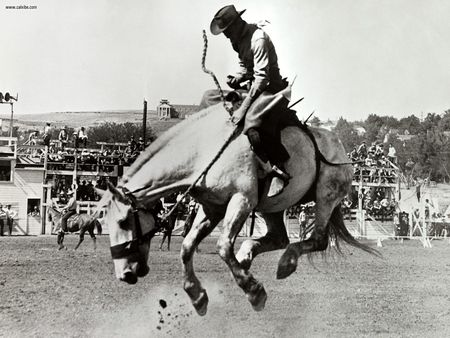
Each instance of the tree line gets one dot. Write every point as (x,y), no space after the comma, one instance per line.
(425,153)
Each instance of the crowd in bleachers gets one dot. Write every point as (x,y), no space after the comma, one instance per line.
(374,164)
(107,164)
(60,157)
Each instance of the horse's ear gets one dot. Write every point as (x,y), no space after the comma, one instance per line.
(106,197)
(116,193)
(113,189)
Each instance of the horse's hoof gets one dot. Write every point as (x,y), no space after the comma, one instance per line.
(258,297)
(287,264)
(129,278)
(245,261)
(245,264)
(201,303)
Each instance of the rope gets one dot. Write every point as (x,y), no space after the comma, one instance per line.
(224,146)
(207,71)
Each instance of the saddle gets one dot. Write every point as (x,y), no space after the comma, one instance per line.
(271,115)
(72,223)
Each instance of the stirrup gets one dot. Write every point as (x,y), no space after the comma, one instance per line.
(279,181)
(280,173)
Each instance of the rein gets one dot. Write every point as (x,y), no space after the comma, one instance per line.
(132,198)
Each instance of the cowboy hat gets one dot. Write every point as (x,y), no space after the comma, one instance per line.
(70,192)
(224,18)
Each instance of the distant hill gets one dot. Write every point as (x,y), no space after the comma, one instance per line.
(89,119)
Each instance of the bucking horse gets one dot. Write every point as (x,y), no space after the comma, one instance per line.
(77,222)
(230,188)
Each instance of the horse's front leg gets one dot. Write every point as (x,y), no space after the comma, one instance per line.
(192,285)
(237,212)
(61,240)
(81,238)
(275,238)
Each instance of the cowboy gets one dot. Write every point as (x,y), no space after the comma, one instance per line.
(259,73)
(69,210)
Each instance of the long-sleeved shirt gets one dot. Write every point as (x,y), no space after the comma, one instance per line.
(258,60)
(72,204)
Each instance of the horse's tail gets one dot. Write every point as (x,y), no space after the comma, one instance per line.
(338,231)
(98,226)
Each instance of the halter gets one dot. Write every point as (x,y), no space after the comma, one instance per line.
(131,248)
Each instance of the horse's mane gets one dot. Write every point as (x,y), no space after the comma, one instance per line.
(162,140)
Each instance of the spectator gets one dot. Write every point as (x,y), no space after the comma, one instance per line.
(32,138)
(392,154)
(362,150)
(63,137)
(2,218)
(418,185)
(354,155)
(192,212)
(133,145)
(82,137)
(302,221)
(347,205)
(141,145)
(396,225)
(35,212)
(47,134)
(10,214)
(379,151)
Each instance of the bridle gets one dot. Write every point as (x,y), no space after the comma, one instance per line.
(131,248)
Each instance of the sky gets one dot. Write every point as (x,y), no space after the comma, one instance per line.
(351,58)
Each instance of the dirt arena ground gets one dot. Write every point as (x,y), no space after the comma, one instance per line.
(50,293)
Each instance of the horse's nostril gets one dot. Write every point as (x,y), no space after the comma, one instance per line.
(129,277)
(142,270)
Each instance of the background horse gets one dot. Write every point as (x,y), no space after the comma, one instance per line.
(78,222)
(229,191)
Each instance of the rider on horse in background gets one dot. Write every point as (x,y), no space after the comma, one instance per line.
(259,73)
(69,210)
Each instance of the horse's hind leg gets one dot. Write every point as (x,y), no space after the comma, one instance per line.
(192,285)
(237,212)
(91,233)
(275,238)
(81,238)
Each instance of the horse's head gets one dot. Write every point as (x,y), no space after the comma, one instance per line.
(131,229)
(53,214)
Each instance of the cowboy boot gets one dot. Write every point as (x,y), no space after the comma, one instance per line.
(279,181)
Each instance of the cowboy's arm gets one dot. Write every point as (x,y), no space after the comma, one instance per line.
(261,78)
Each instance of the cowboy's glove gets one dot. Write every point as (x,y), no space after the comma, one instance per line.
(233,82)
(239,114)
